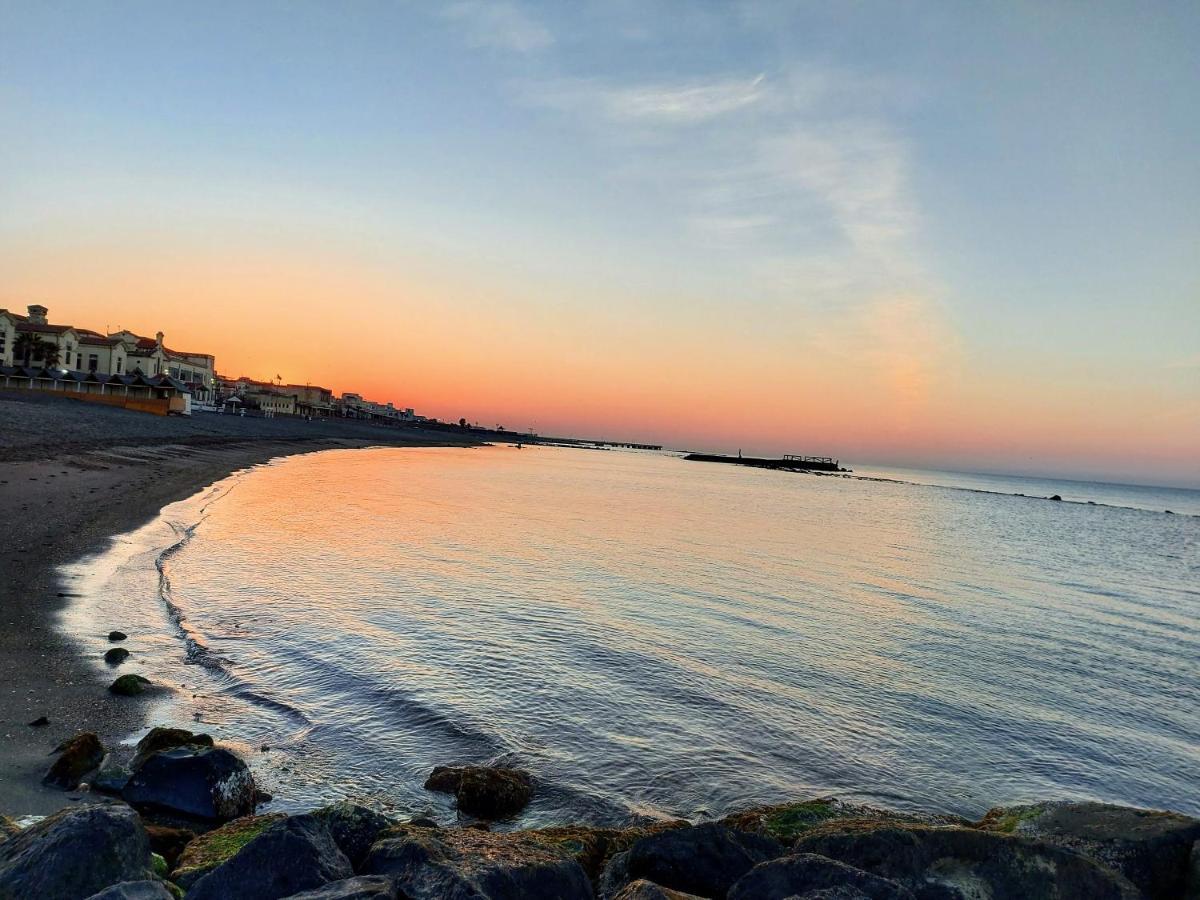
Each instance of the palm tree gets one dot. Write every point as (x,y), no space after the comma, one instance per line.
(28,345)
(50,354)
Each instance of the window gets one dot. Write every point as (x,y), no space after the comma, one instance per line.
(78,360)
(120,362)
(93,362)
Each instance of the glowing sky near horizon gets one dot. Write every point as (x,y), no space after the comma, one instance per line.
(934,234)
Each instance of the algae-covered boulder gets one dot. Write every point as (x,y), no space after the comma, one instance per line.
(469,863)
(197,781)
(293,855)
(785,822)
(806,874)
(129,685)
(354,828)
(701,859)
(159,738)
(207,851)
(76,757)
(489,792)
(956,862)
(135,890)
(1150,848)
(169,841)
(116,656)
(75,853)
(362,887)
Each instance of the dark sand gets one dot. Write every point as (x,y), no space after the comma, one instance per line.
(71,476)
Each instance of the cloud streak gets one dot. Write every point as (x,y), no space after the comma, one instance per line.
(499,25)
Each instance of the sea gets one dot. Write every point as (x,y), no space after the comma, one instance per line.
(653,637)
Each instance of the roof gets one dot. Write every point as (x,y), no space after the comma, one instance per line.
(45,329)
(97,340)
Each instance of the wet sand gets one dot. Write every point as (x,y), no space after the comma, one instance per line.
(72,476)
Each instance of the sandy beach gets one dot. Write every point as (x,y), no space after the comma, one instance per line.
(73,475)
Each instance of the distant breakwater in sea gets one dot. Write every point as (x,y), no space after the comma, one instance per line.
(653,638)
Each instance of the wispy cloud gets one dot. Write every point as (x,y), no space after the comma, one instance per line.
(685,103)
(500,25)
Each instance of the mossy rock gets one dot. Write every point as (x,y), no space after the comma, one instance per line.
(786,822)
(116,656)
(209,850)
(129,685)
(7,828)
(1008,820)
(159,865)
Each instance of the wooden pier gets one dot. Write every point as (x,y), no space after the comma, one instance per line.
(787,463)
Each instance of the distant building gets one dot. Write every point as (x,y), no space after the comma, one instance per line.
(353,406)
(84,350)
(279,399)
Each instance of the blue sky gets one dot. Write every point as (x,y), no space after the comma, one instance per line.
(949,207)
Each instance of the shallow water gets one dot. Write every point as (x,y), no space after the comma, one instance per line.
(654,637)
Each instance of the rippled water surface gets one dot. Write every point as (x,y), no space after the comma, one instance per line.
(656,637)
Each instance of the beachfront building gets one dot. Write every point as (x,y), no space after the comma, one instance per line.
(270,402)
(32,341)
(279,399)
(353,406)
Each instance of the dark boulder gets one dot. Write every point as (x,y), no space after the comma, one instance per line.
(1056,498)
(75,853)
(648,890)
(966,862)
(489,792)
(135,890)
(207,851)
(76,757)
(1150,848)
(354,828)
(203,782)
(129,685)
(159,738)
(468,864)
(701,859)
(116,656)
(117,635)
(39,722)
(293,855)
(362,887)
(804,874)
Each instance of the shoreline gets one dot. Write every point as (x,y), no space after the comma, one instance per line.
(65,500)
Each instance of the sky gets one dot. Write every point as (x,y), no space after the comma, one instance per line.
(934,234)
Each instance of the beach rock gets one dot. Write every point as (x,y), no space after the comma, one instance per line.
(8,828)
(159,738)
(952,862)
(1057,498)
(129,685)
(169,842)
(785,822)
(648,890)
(361,887)
(135,890)
(117,635)
(489,792)
(354,828)
(293,855)
(76,757)
(203,782)
(700,859)
(806,874)
(467,864)
(1152,849)
(39,722)
(207,851)
(112,777)
(75,853)
(116,656)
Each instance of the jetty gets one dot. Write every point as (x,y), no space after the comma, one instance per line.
(786,463)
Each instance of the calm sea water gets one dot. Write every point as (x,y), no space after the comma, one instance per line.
(653,637)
